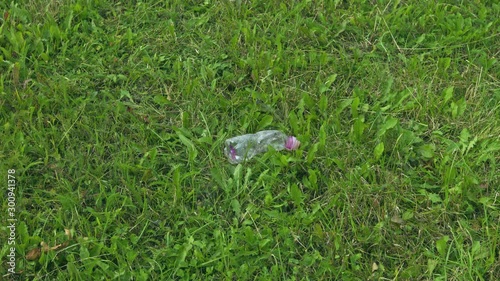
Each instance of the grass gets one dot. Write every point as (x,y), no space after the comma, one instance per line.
(114,116)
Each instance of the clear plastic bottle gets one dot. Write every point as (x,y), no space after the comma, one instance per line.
(241,148)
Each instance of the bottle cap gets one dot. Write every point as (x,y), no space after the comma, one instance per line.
(292,143)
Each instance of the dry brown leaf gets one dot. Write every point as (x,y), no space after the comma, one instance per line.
(67,231)
(34,254)
(44,247)
(374,267)
(15,74)
(397,219)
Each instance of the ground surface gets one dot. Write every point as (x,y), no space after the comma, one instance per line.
(114,115)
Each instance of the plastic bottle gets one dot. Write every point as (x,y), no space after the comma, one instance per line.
(241,148)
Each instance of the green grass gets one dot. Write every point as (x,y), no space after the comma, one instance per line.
(114,115)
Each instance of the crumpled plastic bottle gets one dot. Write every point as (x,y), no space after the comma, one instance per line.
(242,148)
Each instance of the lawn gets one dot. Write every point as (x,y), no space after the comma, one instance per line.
(114,116)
